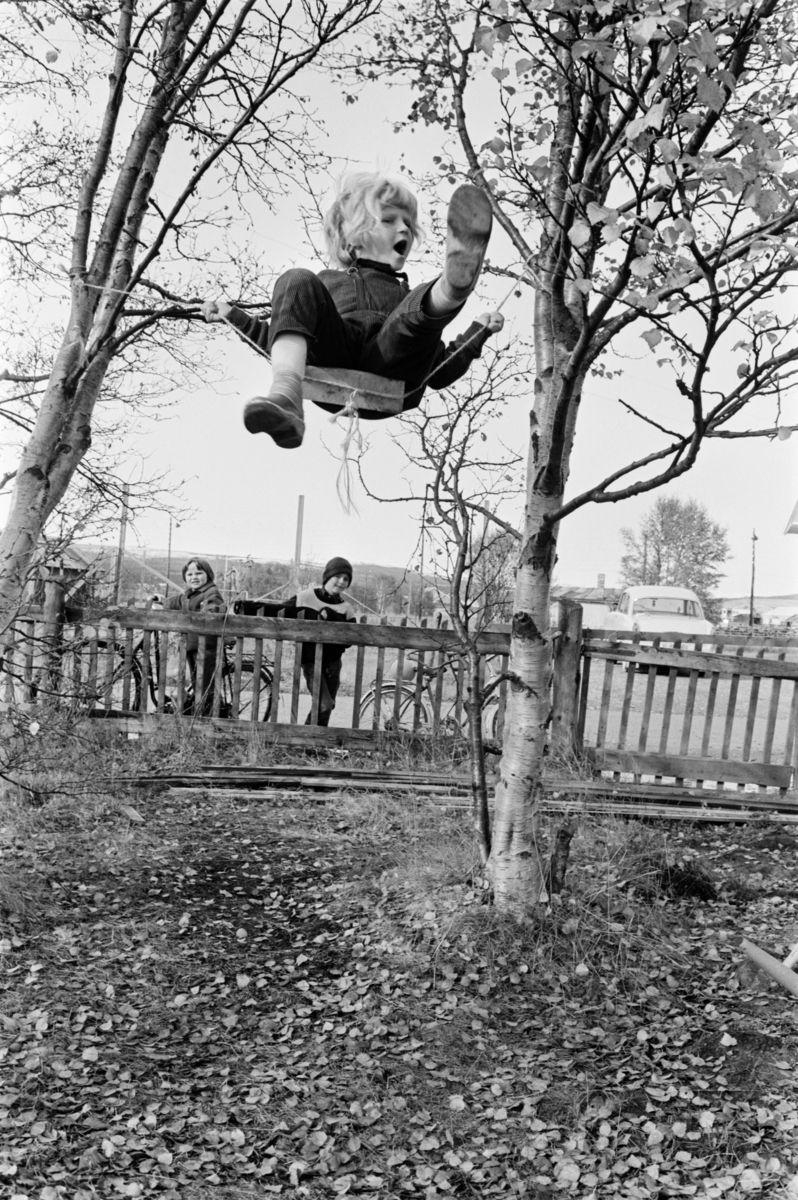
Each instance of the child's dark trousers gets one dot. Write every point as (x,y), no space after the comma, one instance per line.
(400,344)
(330,682)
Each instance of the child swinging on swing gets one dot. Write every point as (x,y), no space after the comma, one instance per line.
(363,314)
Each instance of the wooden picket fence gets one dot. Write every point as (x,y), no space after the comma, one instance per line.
(720,711)
(132,668)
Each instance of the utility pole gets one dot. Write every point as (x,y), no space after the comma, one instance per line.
(121,550)
(300,514)
(421,559)
(754,540)
(168,558)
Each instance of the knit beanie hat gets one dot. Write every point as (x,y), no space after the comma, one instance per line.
(203,565)
(337,566)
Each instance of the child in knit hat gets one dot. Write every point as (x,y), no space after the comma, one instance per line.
(328,603)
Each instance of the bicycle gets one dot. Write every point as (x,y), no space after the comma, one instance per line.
(105,677)
(241,691)
(408,705)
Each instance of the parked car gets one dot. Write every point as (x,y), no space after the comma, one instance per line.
(650,608)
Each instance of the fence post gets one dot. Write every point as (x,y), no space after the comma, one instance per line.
(567,657)
(52,630)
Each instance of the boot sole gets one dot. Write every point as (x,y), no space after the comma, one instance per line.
(267,416)
(469,221)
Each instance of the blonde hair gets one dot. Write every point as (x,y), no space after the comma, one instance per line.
(356,210)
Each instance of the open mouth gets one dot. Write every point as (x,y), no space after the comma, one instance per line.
(401,247)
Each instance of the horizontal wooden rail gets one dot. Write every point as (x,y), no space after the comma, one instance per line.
(754,642)
(692,660)
(401,637)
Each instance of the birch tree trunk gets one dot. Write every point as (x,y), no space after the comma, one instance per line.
(164,64)
(517,865)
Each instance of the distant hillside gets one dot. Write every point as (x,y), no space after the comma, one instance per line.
(149,571)
(761,602)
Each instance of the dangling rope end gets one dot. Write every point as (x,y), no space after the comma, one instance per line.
(352,436)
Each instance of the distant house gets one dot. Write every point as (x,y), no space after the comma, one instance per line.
(80,571)
(596,602)
(783,615)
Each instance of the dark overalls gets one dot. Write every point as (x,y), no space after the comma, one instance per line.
(366,319)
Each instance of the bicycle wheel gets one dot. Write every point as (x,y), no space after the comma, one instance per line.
(255,690)
(492,727)
(87,680)
(388,717)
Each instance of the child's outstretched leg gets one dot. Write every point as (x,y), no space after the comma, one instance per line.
(468,224)
(280,413)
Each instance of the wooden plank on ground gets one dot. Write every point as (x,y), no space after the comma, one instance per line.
(295,776)
(673,792)
(660,812)
(601,806)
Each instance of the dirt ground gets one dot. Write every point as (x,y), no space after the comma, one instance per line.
(218,998)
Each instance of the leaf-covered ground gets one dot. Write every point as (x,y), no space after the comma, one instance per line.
(236,999)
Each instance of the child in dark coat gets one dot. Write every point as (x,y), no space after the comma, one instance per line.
(330,605)
(362,314)
(201,595)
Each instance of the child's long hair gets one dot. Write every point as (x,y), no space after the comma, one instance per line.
(356,210)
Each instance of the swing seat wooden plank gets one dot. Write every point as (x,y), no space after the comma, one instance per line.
(329,385)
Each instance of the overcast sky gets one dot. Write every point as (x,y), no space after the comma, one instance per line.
(244,491)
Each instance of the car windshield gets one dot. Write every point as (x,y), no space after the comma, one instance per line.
(674,605)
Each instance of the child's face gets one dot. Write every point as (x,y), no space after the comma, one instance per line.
(195,576)
(390,241)
(336,584)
